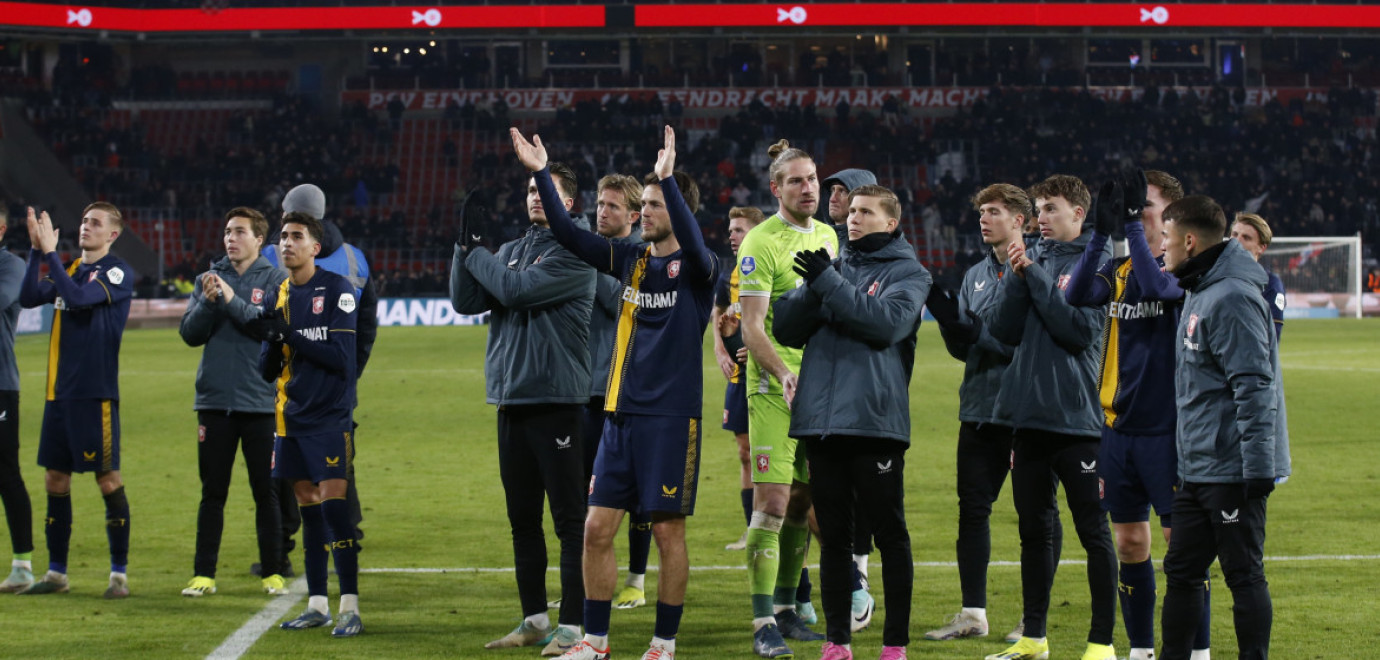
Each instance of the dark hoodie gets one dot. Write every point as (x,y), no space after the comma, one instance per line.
(1051,384)
(1232,424)
(857,322)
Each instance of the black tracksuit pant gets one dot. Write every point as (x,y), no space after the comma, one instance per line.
(18,509)
(541,457)
(1216,521)
(1040,461)
(221,434)
(848,474)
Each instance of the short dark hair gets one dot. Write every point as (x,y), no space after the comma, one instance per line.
(312,224)
(1170,188)
(1069,187)
(564,178)
(110,210)
(1198,215)
(889,203)
(688,188)
(1015,200)
(258,224)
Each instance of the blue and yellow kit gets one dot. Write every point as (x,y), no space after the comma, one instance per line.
(91,305)
(1136,382)
(315,367)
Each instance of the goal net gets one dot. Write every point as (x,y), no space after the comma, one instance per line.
(1321,274)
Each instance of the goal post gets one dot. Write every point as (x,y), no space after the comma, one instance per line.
(1321,274)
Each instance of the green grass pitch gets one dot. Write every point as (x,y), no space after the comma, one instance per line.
(432,498)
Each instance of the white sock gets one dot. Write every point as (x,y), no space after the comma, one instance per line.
(1200,654)
(318,604)
(668,644)
(349,603)
(777,609)
(979,613)
(540,620)
(569,628)
(122,576)
(861,562)
(599,642)
(24,564)
(636,580)
(1141,654)
(762,621)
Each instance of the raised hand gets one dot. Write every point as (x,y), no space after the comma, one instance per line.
(666,157)
(532,154)
(1135,186)
(1108,210)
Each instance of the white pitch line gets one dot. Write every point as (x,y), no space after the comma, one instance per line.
(918,564)
(239,642)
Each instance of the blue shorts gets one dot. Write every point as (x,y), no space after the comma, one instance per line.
(81,435)
(315,458)
(647,463)
(1135,472)
(735,408)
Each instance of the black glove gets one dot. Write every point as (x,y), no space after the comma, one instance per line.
(733,343)
(270,327)
(472,215)
(1256,488)
(943,306)
(810,264)
(1108,210)
(1135,191)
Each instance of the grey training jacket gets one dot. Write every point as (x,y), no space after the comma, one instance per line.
(1232,424)
(228,376)
(857,322)
(539,296)
(11,281)
(986,361)
(1051,384)
(603,322)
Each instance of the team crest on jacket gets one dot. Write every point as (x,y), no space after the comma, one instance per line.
(872,290)
(673,269)
(1064,281)
(257,296)
(1192,325)
(318,304)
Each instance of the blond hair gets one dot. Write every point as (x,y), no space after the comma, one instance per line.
(781,153)
(1262,228)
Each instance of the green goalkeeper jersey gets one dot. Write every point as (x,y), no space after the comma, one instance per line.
(765,268)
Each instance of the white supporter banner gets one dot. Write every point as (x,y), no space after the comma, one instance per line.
(424,312)
(713,98)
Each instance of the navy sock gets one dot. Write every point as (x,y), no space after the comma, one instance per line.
(58,530)
(667,620)
(597,617)
(1137,592)
(336,511)
(802,592)
(315,545)
(639,542)
(746,494)
(1204,638)
(857,578)
(117,529)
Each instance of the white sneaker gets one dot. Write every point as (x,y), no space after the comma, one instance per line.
(583,651)
(740,544)
(659,651)
(962,624)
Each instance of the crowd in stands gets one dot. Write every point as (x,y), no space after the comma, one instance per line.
(1309,167)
